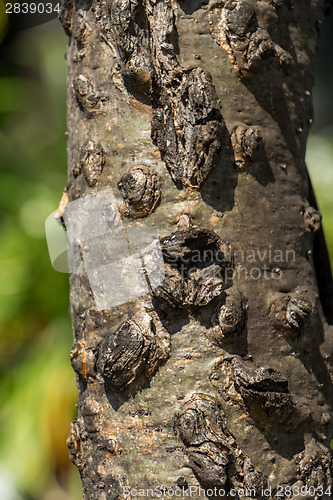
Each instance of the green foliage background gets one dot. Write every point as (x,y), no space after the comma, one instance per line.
(37,384)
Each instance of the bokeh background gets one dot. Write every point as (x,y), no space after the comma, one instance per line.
(37,384)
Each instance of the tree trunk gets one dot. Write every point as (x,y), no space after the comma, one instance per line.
(196,113)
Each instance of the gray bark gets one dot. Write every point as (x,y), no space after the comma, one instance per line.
(196,114)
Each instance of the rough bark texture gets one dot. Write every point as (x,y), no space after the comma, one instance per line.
(196,114)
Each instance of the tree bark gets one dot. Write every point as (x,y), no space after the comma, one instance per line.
(196,114)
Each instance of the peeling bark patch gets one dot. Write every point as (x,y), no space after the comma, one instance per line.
(74,443)
(289,313)
(241,34)
(231,314)
(196,265)
(80,29)
(265,393)
(212,451)
(188,127)
(312,219)
(92,160)
(130,26)
(283,58)
(262,392)
(245,142)
(65,15)
(141,189)
(89,99)
(230,318)
(297,310)
(131,38)
(132,354)
(199,427)
(83,360)
(315,465)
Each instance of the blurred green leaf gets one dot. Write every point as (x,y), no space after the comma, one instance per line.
(37,384)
